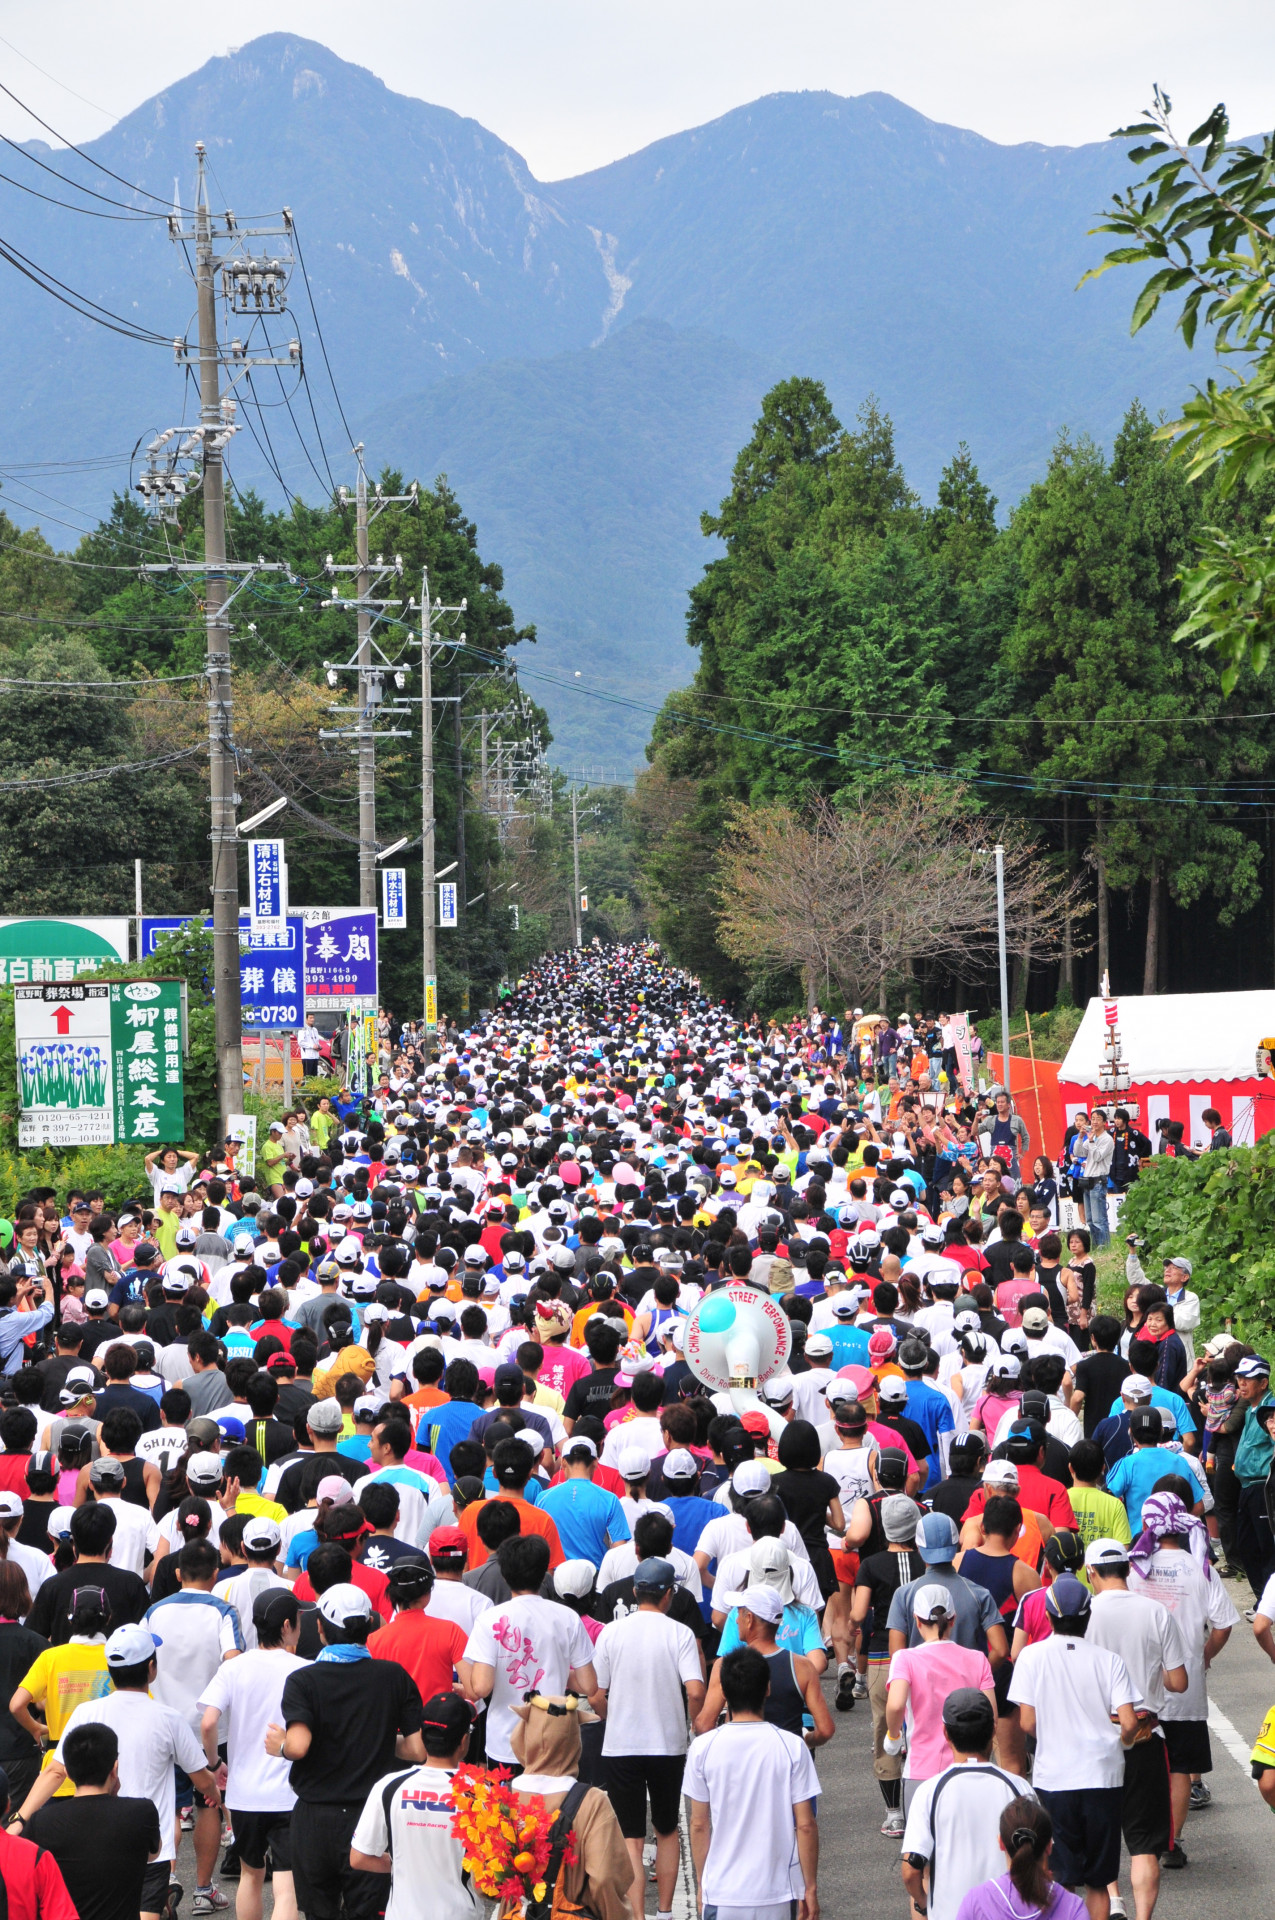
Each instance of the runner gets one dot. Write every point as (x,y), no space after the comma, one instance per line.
(649,1677)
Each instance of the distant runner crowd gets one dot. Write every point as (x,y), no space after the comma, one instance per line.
(367,1521)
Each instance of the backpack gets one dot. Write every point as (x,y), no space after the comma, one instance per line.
(556,1905)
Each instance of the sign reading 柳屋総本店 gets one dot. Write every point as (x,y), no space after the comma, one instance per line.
(100,1064)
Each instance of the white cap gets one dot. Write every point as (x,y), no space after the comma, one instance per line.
(260,1533)
(574,1577)
(750,1476)
(1107,1553)
(766,1602)
(892,1388)
(96,1301)
(1135,1387)
(344,1603)
(1000,1473)
(633,1463)
(680,1464)
(129,1646)
(931,1599)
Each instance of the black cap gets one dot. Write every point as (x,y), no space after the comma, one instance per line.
(892,1468)
(1025,1440)
(409,1579)
(969,1719)
(1146,1423)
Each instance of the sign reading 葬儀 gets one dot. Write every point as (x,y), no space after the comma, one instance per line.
(100,1064)
(295,971)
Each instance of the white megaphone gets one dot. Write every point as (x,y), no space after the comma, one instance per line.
(735,1340)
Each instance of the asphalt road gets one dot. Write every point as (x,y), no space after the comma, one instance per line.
(1230,1846)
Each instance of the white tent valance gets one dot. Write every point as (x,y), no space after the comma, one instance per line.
(1175,1036)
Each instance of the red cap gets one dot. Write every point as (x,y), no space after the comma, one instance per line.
(756,1423)
(446,1541)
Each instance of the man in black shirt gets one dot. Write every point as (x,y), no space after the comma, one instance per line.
(879,1578)
(101,1841)
(1100,1373)
(92,1530)
(347,1720)
(53,1371)
(891,1399)
(592,1392)
(299,1482)
(953,1495)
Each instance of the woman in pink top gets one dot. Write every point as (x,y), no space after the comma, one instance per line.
(1001,1396)
(130,1227)
(921,1679)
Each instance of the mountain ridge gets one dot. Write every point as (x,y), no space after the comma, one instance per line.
(476,318)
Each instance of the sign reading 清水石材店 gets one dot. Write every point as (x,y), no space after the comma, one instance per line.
(100,1064)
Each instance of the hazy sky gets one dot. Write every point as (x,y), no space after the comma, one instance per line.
(575,83)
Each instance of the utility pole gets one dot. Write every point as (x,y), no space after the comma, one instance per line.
(430,610)
(367,745)
(462,883)
(1004,962)
(575,864)
(177,461)
(221,762)
(369,663)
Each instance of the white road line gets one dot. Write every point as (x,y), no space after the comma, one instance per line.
(1239,1749)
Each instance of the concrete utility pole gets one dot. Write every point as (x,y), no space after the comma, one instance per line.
(576,915)
(369,663)
(430,611)
(367,744)
(1004,963)
(177,461)
(221,761)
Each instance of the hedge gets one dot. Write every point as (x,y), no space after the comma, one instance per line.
(1219,1210)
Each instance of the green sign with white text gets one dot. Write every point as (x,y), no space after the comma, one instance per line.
(100,1064)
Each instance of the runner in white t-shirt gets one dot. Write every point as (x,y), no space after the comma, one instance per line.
(407,1821)
(649,1668)
(751,1790)
(526,1643)
(241,1700)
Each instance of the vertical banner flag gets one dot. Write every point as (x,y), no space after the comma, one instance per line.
(243,1129)
(393,896)
(964,1058)
(431,1001)
(447,903)
(267,886)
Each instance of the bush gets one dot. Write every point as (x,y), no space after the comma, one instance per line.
(1220,1212)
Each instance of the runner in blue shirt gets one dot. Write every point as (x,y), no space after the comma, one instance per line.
(589,1519)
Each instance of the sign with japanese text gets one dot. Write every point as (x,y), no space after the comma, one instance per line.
(393,896)
(340,964)
(270,977)
(267,886)
(447,903)
(100,1065)
(48,949)
(431,1001)
(146,1040)
(961,1045)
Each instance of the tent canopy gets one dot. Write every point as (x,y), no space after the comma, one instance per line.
(1175,1036)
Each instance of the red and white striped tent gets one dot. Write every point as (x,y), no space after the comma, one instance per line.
(1184,1052)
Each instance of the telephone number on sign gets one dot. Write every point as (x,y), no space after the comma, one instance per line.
(270,1017)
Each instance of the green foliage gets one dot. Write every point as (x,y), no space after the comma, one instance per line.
(119,1173)
(1220,1212)
(1052,1032)
(1204,223)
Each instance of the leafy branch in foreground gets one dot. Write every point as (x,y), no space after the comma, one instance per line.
(1203,220)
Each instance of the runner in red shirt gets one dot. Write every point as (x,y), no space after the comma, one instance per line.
(429,1647)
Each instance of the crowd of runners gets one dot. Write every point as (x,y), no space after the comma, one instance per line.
(320,1487)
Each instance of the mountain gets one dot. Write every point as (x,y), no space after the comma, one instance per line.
(582,358)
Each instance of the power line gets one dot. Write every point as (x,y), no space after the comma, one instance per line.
(323,348)
(79,302)
(99,773)
(64,142)
(67,207)
(82,98)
